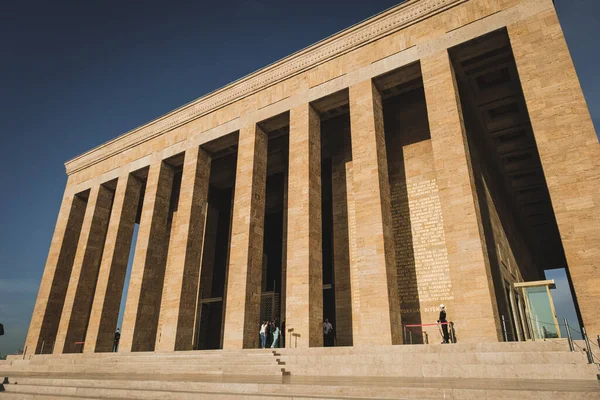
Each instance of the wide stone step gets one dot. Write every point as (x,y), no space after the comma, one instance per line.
(558,345)
(273,369)
(39,396)
(426,358)
(165,360)
(501,371)
(303,388)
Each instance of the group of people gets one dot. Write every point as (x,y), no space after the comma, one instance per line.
(270,334)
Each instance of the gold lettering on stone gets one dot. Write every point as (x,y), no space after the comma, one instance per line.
(422,258)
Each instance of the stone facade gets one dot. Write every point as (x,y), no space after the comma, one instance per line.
(419,215)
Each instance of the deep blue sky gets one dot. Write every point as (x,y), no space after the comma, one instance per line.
(74,74)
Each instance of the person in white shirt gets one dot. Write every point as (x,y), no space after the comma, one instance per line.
(263,335)
(327,333)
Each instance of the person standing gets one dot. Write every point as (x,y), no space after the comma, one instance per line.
(327,333)
(116,340)
(442,319)
(263,335)
(276,333)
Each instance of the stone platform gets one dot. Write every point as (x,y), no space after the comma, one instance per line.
(529,370)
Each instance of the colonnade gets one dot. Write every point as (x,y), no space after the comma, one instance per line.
(85,272)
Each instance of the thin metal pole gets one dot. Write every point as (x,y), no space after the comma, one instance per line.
(42,349)
(404,337)
(587,345)
(426,338)
(410,334)
(569,338)
(598,340)
(451,326)
(504,329)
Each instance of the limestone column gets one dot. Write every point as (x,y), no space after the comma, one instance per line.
(80,292)
(242,307)
(304,269)
(568,148)
(353,259)
(473,308)
(53,288)
(341,244)
(113,267)
(379,310)
(178,306)
(147,274)
(284,256)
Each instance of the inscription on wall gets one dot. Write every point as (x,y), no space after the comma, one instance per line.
(354,293)
(421,254)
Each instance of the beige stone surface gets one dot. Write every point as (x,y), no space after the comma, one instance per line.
(147,274)
(178,306)
(80,292)
(379,311)
(341,242)
(304,273)
(568,148)
(418,30)
(242,305)
(53,288)
(473,306)
(113,267)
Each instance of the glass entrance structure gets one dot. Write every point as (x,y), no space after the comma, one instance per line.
(539,307)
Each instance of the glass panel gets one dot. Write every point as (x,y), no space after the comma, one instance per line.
(542,318)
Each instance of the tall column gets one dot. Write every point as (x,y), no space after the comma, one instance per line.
(379,310)
(473,307)
(113,267)
(282,310)
(568,148)
(341,243)
(53,288)
(242,307)
(147,274)
(353,259)
(304,270)
(80,292)
(178,306)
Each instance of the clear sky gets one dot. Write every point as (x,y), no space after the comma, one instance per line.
(74,74)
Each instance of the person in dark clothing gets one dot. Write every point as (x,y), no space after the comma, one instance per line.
(116,340)
(442,319)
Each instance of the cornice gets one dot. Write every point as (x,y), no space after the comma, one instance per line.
(345,41)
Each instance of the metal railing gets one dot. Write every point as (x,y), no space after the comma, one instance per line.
(591,357)
(408,331)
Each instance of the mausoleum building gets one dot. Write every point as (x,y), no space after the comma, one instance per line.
(439,152)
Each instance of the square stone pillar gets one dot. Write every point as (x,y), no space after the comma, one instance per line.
(341,242)
(53,288)
(568,148)
(242,306)
(80,292)
(379,309)
(354,275)
(113,267)
(304,267)
(178,306)
(142,308)
(473,308)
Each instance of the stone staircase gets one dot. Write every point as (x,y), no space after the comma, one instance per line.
(529,370)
